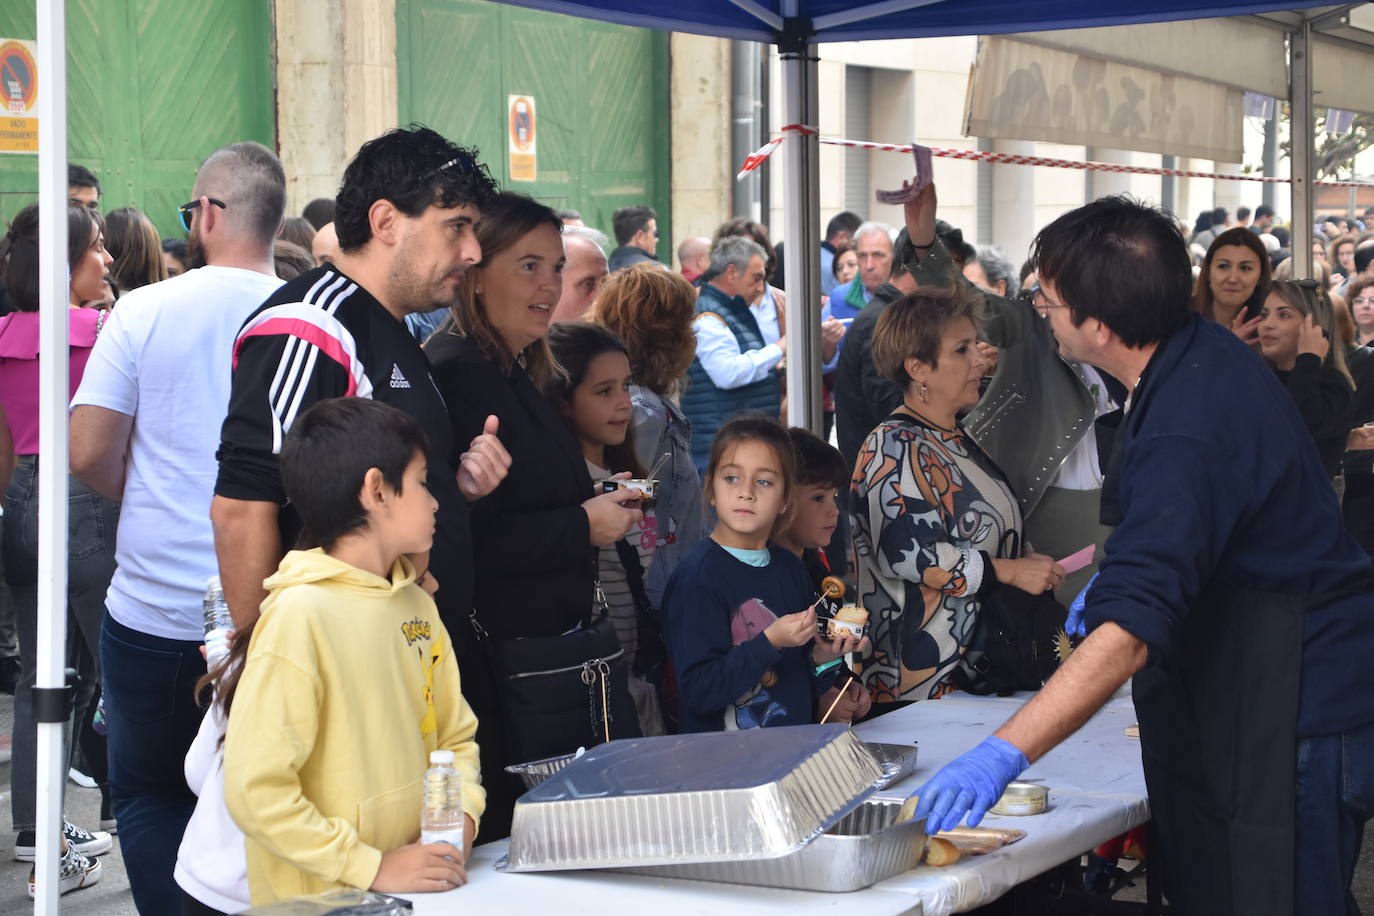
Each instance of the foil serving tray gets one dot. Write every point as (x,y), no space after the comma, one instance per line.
(681,799)
(897,760)
(868,845)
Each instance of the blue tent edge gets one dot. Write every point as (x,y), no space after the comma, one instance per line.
(724,19)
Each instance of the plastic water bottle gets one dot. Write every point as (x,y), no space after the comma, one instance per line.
(441,818)
(219,626)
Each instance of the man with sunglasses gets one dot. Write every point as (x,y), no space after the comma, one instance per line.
(1230,592)
(144,427)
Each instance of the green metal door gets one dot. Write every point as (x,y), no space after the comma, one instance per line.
(154,86)
(600,91)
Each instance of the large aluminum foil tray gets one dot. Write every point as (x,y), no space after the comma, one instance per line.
(899,760)
(720,796)
(868,845)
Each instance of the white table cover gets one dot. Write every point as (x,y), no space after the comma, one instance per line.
(1097,791)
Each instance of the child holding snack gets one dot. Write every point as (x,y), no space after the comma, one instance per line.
(738,611)
(821,475)
(593,395)
(350,679)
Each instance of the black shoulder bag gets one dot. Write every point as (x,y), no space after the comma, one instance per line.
(1017,644)
(559,693)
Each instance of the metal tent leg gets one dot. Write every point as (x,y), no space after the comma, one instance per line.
(1302,139)
(801,222)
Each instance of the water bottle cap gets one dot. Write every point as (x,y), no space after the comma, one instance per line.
(440,757)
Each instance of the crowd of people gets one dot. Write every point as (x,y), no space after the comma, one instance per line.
(470,481)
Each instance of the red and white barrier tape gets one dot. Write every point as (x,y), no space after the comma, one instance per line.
(759,156)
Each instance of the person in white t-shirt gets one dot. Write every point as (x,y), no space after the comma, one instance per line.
(144,429)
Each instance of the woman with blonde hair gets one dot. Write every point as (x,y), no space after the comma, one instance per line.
(651,310)
(936,524)
(1297,331)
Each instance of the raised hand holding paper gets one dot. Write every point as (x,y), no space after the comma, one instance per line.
(910,189)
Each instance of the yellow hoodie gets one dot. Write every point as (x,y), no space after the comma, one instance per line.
(350,682)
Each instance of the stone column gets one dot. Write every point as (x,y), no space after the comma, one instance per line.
(702,173)
(1013,201)
(336,88)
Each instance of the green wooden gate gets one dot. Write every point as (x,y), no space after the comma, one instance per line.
(154,86)
(601,96)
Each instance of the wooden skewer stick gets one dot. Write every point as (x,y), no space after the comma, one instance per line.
(843,691)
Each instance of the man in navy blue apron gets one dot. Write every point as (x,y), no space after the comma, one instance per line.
(1230,591)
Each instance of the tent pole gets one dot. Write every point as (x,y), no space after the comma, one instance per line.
(52,436)
(801,222)
(1302,139)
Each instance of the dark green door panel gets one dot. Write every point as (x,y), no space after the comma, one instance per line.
(600,91)
(153,87)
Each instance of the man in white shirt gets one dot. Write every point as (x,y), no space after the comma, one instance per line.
(735,365)
(145,425)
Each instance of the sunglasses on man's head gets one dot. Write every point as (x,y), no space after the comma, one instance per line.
(184,211)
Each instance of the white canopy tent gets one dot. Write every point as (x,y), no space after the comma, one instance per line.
(795,25)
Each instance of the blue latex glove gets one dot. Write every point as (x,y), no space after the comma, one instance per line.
(970,783)
(1075,626)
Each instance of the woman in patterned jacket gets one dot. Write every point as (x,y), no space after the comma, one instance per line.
(935,523)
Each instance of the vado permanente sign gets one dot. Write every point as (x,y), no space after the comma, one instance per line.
(19,95)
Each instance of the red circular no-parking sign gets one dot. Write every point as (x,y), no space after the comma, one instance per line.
(18,77)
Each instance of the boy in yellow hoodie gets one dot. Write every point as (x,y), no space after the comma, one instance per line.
(350,679)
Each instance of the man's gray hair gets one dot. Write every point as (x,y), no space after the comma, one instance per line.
(587,232)
(736,250)
(998,266)
(249,179)
(873,227)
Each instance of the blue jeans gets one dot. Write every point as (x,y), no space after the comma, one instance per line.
(91,524)
(1335,798)
(151,718)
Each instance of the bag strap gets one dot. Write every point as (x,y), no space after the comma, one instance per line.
(634,574)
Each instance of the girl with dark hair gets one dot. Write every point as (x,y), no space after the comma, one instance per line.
(1234,281)
(594,397)
(1296,331)
(651,310)
(91,519)
(535,537)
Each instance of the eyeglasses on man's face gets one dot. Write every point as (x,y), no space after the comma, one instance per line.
(184,211)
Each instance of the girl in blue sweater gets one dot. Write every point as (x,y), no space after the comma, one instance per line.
(741,625)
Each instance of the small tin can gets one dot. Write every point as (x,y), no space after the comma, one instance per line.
(645,486)
(1022,798)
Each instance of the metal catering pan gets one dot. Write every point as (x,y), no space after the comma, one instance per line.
(677,799)
(865,847)
(898,759)
(901,758)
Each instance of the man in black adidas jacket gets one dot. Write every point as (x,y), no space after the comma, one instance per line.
(406,212)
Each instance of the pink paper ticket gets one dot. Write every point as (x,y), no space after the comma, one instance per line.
(918,184)
(1076,561)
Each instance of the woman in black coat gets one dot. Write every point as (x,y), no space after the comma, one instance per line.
(535,537)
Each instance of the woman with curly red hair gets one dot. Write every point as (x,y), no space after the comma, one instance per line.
(651,310)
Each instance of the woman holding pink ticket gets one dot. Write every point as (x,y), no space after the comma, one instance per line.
(937,529)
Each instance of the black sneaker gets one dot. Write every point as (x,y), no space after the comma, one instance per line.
(83,841)
(74,872)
